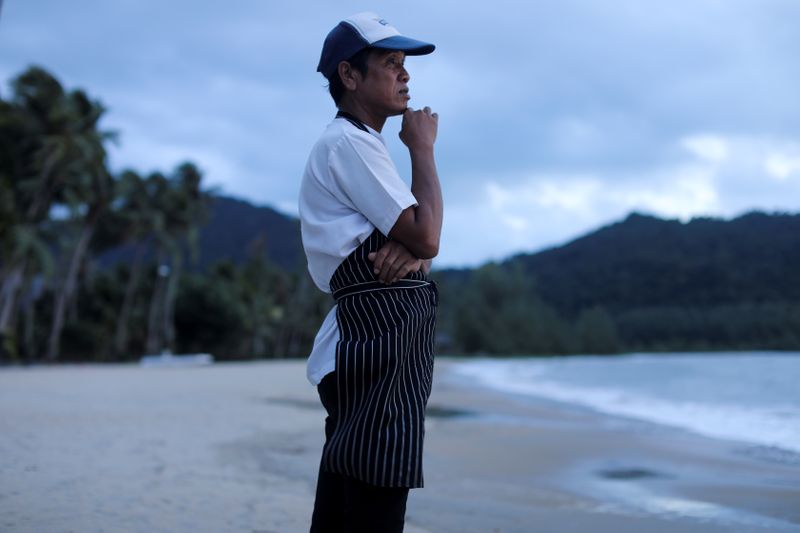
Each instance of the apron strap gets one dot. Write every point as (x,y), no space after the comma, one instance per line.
(352,120)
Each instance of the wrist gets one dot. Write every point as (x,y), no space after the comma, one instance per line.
(421,150)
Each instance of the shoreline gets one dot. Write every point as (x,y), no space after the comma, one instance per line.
(765,427)
(608,466)
(767,451)
(235,447)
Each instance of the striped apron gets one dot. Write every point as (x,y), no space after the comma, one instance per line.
(384,371)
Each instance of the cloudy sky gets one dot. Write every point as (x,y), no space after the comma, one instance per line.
(555,116)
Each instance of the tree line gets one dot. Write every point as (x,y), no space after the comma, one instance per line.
(668,285)
(61,206)
(496,310)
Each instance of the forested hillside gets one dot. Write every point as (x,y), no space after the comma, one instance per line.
(233,227)
(650,284)
(644,261)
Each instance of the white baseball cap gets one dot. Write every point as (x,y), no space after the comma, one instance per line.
(360,31)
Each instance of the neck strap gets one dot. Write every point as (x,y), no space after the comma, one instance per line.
(352,120)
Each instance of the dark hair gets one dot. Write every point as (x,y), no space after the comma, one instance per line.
(358,61)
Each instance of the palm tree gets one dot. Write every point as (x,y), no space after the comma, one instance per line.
(137,210)
(87,190)
(262,289)
(16,240)
(184,207)
(38,138)
(20,137)
(160,189)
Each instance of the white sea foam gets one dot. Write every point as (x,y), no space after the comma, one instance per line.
(656,390)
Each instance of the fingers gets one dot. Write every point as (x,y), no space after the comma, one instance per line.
(404,269)
(410,266)
(383,259)
(379,259)
(393,262)
(426,110)
(419,127)
(399,269)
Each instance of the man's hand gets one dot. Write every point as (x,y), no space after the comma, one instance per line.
(393,262)
(419,128)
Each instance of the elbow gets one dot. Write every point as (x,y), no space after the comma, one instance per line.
(421,239)
(428,249)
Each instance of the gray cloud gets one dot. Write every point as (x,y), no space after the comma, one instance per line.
(533,98)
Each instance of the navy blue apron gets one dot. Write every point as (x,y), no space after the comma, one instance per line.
(384,369)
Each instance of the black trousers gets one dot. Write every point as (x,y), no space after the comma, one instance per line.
(347,505)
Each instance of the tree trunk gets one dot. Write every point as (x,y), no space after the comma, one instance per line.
(41,201)
(71,305)
(259,345)
(63,296)
(8,305)
(260,328)
(169,300)
(153,345)
(28,350)
(8,296)
(121,336)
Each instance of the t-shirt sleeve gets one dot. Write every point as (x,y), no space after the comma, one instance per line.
(364,171)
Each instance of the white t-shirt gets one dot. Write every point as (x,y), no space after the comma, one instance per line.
(350,187)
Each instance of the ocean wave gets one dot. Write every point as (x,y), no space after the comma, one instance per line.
(775,425)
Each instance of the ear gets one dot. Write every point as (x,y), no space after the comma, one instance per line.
(348,75)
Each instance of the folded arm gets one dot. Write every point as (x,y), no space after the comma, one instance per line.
(419,227)
(393,261)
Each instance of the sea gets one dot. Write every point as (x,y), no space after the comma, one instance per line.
(753,397)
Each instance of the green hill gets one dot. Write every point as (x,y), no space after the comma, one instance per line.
(646,261)
(651,284)
(233,228)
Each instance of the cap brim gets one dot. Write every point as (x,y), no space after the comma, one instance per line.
(411,47)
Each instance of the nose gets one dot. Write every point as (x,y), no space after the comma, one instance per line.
(404,75)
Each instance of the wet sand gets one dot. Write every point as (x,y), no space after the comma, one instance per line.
(235,447)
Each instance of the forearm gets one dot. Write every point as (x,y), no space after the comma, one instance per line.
(428,215)
(419,228)
(427,190)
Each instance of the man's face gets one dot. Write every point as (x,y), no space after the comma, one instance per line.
(385,87)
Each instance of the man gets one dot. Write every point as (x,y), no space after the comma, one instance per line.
(369,241)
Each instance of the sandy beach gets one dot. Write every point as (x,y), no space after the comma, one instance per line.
(235,447)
